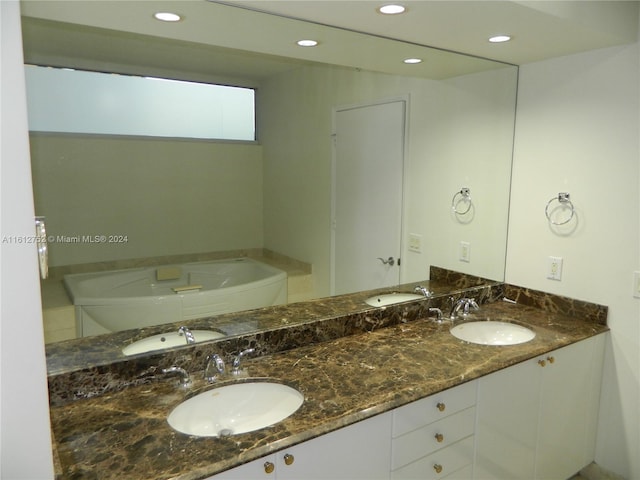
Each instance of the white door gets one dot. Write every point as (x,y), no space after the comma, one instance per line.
(367,208)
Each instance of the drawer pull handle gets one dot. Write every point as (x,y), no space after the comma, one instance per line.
(542,363)
(288,459)
(438,468)
(441,406)
(551,359)
(269,467)
(439,437)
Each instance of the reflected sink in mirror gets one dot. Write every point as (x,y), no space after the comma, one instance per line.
(168,340)
(391,299)
(234,409)
(490,332)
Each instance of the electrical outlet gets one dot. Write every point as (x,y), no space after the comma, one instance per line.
(415,243)
(554,268)
(636,284)
(465,252)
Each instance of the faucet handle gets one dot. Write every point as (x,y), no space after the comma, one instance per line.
(465,304)
(238,359)
(188,336)
(185,379)
(439,318)
(423,290)
(468,305)
(216,362)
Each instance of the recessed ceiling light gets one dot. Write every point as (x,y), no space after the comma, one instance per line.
(167,17)
(412,61)
(392,9)
(499,38)
(307,43)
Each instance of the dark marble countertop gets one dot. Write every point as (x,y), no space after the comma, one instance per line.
(124,434)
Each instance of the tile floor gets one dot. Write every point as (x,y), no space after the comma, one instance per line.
(595,472)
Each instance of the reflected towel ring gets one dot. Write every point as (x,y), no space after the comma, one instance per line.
(43,249)
(465,196)
(563,200)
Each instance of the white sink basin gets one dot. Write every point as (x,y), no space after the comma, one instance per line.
(391,298)
(493,333)
(168,340)
(233,409)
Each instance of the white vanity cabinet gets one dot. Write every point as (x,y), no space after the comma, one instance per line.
(534,420)
(433,437)
(537,419)
(357,452)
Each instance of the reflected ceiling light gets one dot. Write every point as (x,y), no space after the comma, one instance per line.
(499,38)
(412,61)
(392,9)
(307,43)
(167,17)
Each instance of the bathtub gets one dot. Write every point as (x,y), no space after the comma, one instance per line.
(118,300)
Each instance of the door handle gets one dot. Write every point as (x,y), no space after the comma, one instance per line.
(389,261)
(43,248)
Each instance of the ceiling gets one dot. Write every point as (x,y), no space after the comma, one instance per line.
(213,37)
(540,29)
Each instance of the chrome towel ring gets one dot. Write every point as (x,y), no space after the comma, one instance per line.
(463,196)
(563,201)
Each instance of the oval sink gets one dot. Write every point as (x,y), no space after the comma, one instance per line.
(168,340)
(233,409)
(492,333)
(391,298)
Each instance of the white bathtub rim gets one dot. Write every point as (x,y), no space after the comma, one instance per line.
(72,282)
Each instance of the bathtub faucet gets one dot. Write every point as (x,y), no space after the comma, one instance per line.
(188,336)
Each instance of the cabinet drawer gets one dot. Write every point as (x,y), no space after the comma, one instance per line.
(465,473)
(432,437)
(452,463)
(428,410)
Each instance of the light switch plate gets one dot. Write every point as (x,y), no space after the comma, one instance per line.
(415,243)
(636,284)
(465,252)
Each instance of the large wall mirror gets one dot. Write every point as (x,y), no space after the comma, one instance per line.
(178,198)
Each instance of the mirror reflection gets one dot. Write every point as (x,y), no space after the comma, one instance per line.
(287,200)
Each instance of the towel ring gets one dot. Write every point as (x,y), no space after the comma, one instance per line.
(465,195)
(563,200)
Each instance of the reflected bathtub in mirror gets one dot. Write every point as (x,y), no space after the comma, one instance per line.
(112,301)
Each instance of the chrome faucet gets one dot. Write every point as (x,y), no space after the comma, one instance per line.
(238,358)
(185,379)
(464,304)
(188,336)
(213,368)
(439,317)
(422,290)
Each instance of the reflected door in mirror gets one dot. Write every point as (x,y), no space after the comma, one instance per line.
(369,145)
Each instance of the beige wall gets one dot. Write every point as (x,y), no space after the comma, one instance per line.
(167,197)
(460,134)
(577,131)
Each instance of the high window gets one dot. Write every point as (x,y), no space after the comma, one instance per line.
(77,101)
